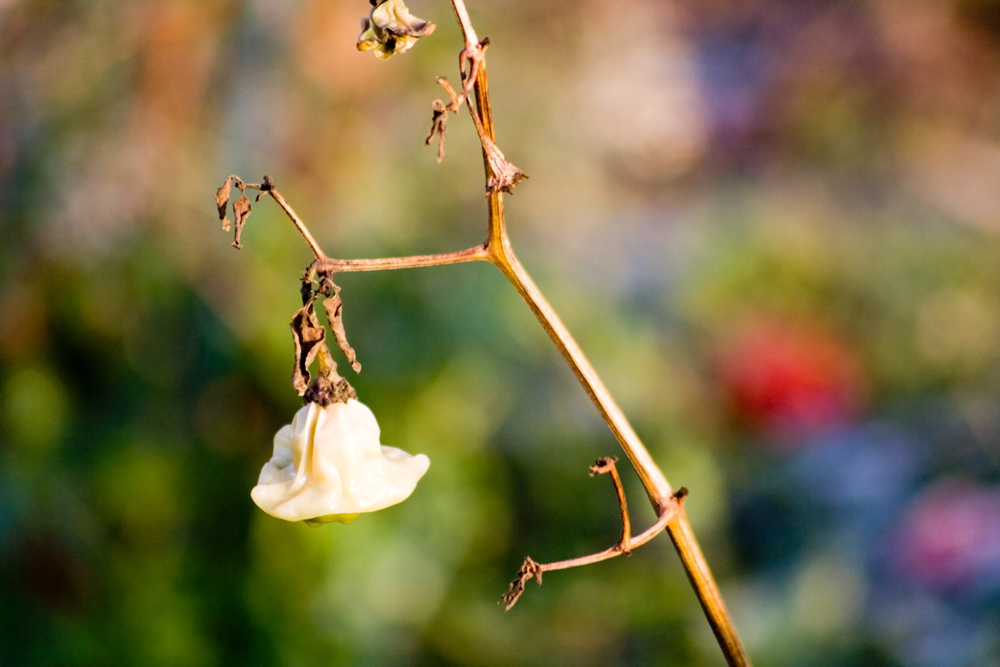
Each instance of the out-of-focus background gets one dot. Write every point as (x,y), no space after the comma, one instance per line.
(773,224)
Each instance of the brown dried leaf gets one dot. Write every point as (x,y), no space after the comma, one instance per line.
(241,211)
(529,570)
(221,199)
(439,127)
(335,313)
(308,337)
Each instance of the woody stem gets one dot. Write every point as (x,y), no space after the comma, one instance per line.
(653,480)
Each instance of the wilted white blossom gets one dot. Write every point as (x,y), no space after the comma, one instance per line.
(328,465)
(391,29)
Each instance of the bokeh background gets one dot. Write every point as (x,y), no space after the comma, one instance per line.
(773,224)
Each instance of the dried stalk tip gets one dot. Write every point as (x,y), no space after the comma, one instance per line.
(529,570)
(390,29)
(603,465)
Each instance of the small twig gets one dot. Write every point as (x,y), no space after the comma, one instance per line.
(607,465)
(474,254)
(267,187)
(301,226)
(532,570)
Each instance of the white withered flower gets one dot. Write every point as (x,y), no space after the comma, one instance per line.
(328,465)
(391,29)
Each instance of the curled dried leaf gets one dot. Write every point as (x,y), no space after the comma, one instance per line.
(309,339)
(222,198)
(439,126)
(529,570)
(335,313)
(241,211)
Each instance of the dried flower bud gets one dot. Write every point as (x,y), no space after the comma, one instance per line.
(391,29)
(328,466)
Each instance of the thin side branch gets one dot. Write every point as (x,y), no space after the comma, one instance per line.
(473,254)
(301,226)
(607,465)
(532,570)
(267,187)
(331,265)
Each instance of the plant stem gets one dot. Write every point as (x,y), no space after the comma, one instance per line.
(696,568)
(301,226)
(653,480)
(476,253)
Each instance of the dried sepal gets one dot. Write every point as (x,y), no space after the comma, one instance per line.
(309,338)
(529,570)
(326,390)
(241,211)
(439,126)
(504,176)
(390,29)
(335,314)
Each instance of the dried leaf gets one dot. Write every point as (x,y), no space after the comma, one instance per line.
(335,313)
(241,211)
(529,570)
(308,337)
(439,126)
(222,198)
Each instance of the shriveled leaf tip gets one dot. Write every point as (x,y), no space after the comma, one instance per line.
(222,198)
(308,337)
(335,314)
(529,570)
(241,211)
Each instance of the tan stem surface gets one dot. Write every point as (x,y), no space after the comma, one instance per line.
(476,253)
(653,480)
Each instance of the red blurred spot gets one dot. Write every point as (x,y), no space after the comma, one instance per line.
(789,376)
